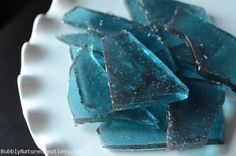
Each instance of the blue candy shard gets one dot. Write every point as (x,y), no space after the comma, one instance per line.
(92,39)
(216,135)
(158,13)
(89,95)
(213,49)
(162,11)
(129,136)
(191,120)
(92,81)
(137,77)
(78,41)
(109,25)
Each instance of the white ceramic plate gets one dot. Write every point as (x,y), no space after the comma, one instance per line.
(43,83)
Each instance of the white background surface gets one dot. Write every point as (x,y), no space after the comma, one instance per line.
(44,79)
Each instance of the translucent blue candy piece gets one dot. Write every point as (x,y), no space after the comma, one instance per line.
(147,11)
(190,121)
(214,50)
(91,39)
(129,136)
(78,41)
(159,12)
(109,25)
(216,135)
(137,77)
(89,95)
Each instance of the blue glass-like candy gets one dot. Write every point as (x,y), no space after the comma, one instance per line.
(129,136)
(92,39)
(159,12)
(212,48)
(126,80)
(191,120)
(109,25)
(147,11)
(89,95)
(137,77)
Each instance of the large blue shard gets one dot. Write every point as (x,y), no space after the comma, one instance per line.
(190,121)
(137,77)
(129,136)
(213,49)
(147,11)
(89,95)
(109,25)
(159,12)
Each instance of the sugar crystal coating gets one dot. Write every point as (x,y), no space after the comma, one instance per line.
(137,77)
